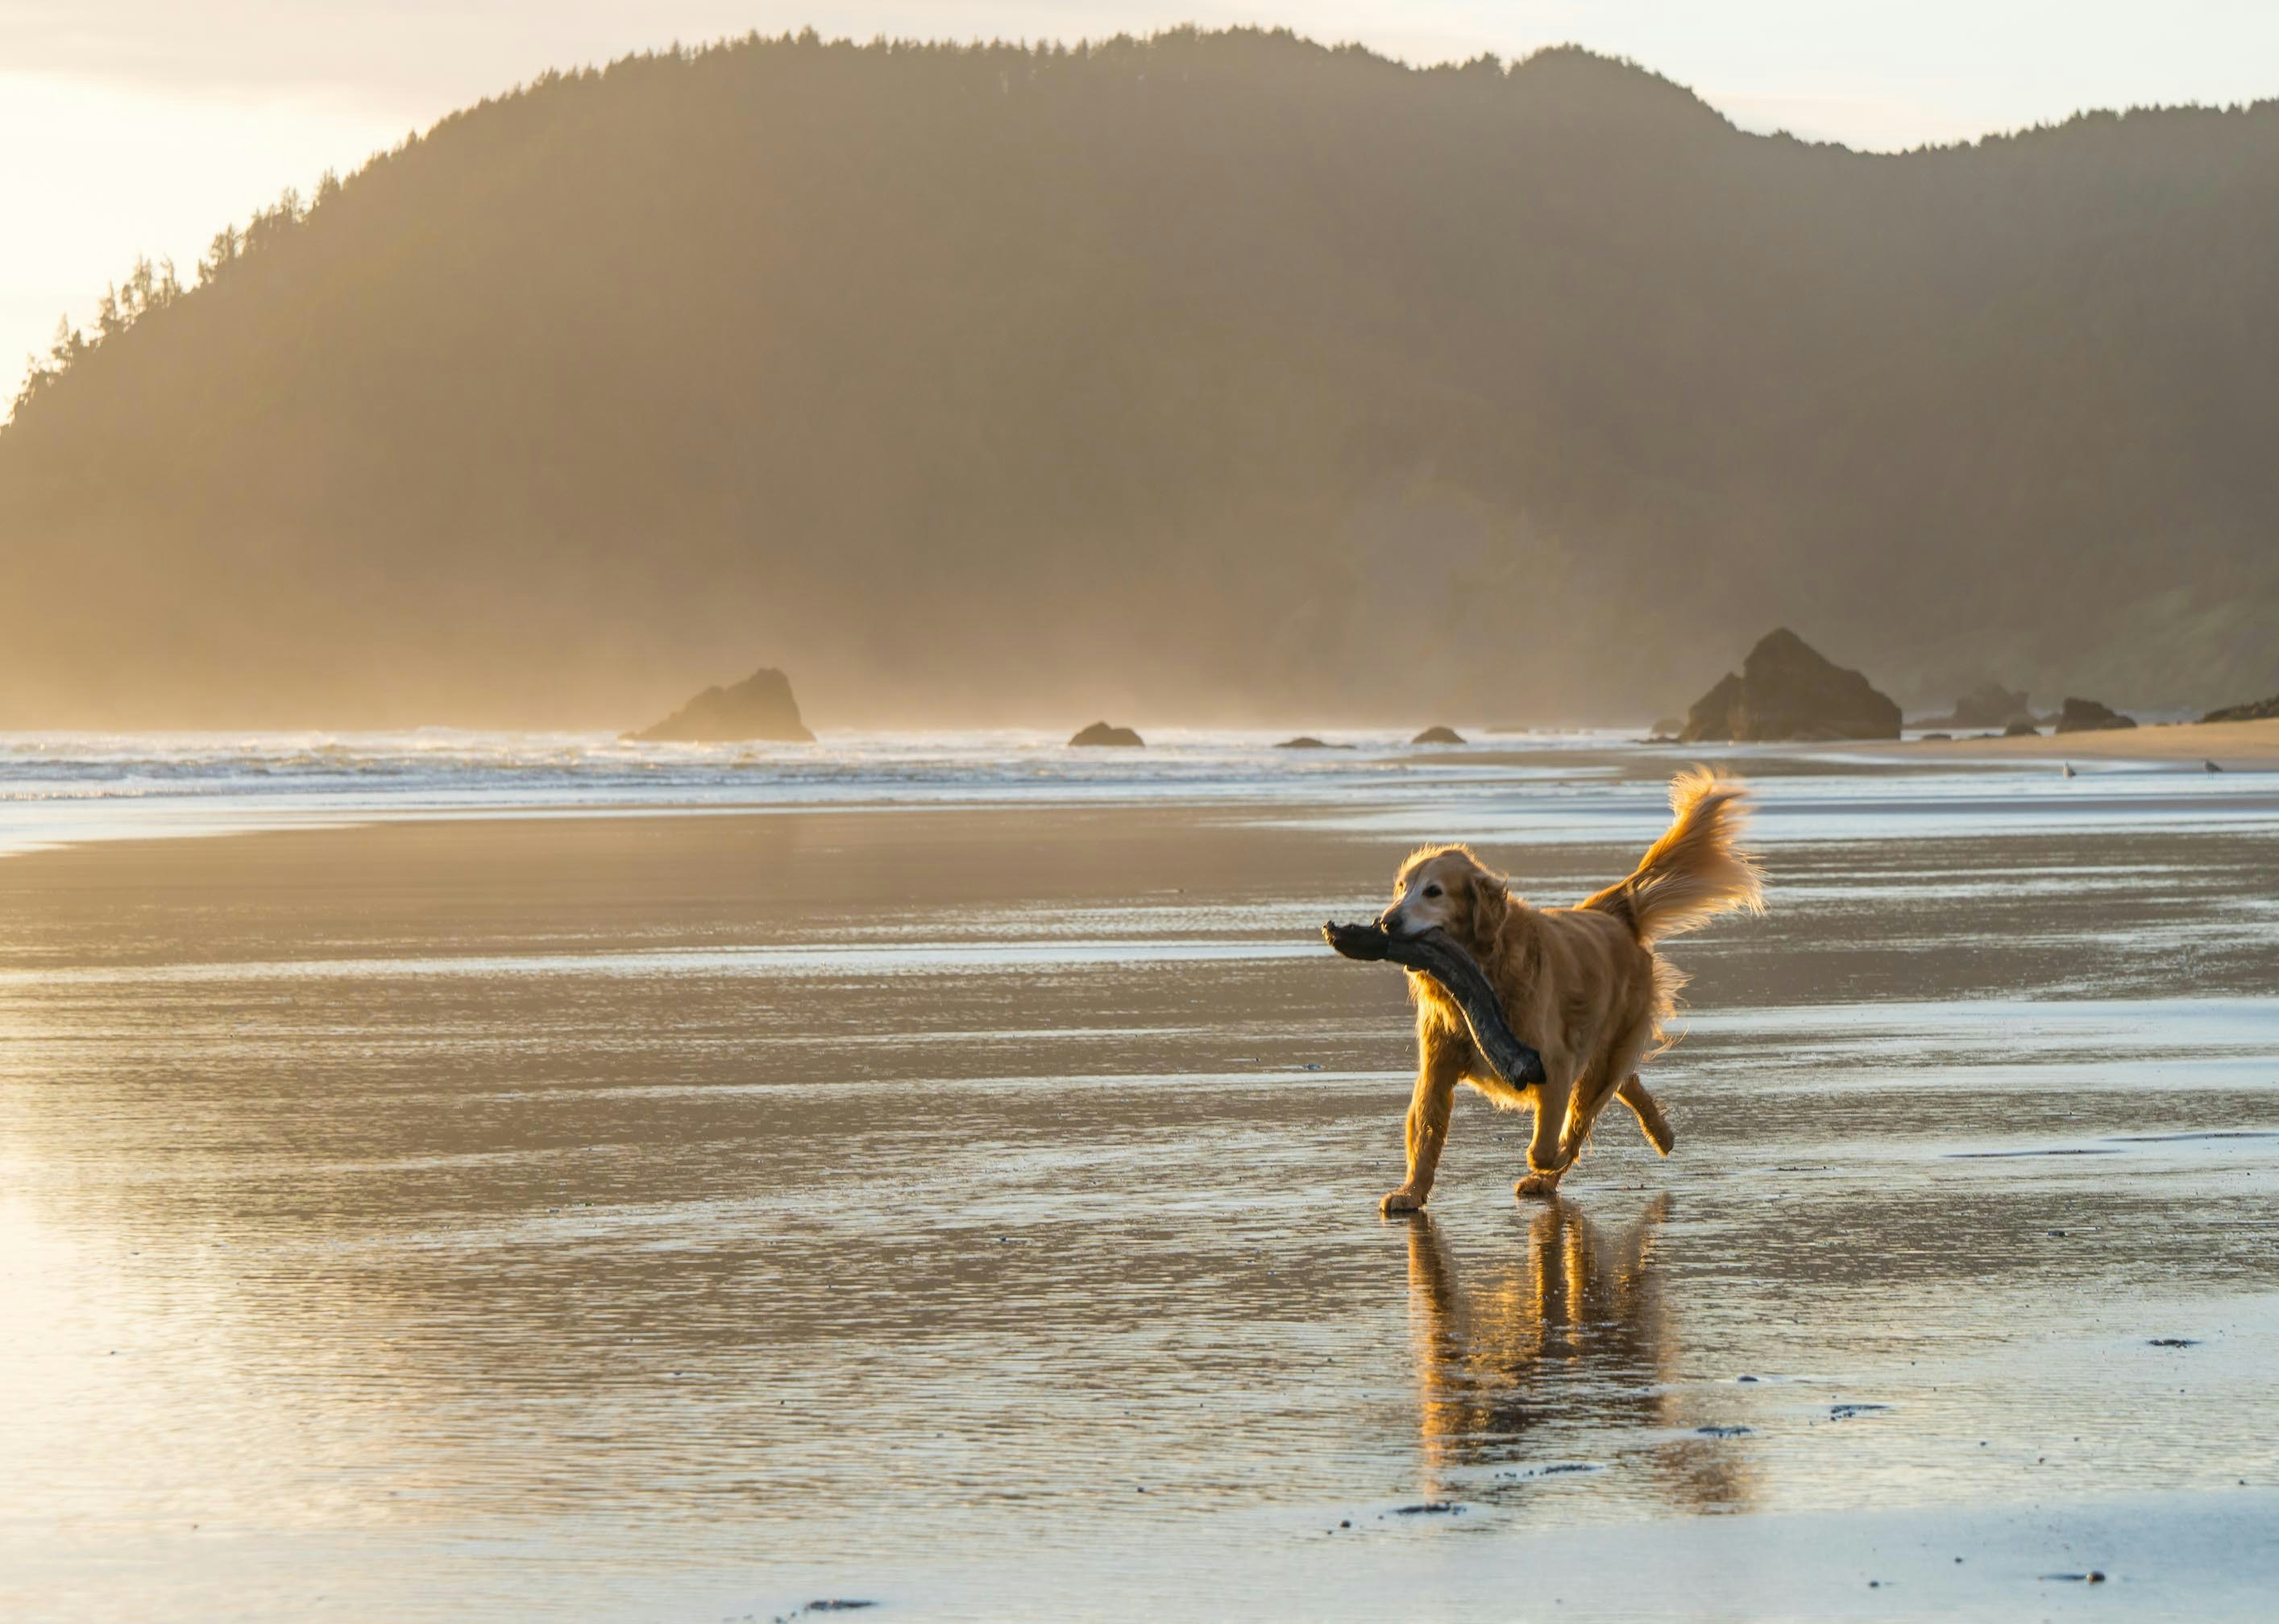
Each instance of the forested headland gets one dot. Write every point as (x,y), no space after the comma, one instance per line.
(1219,376)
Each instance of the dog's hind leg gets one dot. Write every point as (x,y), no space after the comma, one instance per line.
(1599,1085)
(1648,1111)
(1583,1111)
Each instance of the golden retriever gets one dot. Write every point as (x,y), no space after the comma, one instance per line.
(1582,985)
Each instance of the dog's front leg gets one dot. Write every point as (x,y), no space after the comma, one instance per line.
(1441,1056)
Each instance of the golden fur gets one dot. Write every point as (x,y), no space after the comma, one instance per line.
(1582,985)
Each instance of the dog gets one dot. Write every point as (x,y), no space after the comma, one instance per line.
(1583,985)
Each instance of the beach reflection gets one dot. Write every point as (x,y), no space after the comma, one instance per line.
(1521,1356)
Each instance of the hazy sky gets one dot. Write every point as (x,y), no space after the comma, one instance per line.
(142,125)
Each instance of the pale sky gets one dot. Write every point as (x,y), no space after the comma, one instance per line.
(136,126)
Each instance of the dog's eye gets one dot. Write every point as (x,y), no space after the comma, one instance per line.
(1431,890)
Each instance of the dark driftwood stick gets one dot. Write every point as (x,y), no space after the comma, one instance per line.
(1438,954)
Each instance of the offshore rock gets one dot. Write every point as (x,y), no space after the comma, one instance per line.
(759,707)
(1787,689)
(2088,716)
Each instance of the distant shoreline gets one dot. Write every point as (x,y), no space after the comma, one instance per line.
(2251,746)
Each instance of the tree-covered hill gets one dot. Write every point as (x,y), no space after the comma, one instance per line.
(1210,375)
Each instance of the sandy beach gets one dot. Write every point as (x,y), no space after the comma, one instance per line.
(2230,745)
(972,1211)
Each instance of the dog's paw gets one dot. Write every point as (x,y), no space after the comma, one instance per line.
(1537,1184)
(1400,1201)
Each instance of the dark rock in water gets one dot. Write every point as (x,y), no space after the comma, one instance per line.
(1724,1432)
(1102,734)
(1713,714)
(2021,729)
(759,707)
(2088,716)
(1991,705)
(1438,736)
(1785,690)
(2261,711)
(1306,741)
(1430,1508)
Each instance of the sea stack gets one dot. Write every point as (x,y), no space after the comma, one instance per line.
(759,707)
(1787,689)
(1101,734)
(1991,705)
(2090,716)
(1438,736)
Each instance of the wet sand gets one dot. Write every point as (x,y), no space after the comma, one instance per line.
(973,1213)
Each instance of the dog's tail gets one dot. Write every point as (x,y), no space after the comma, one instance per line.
(1694,872)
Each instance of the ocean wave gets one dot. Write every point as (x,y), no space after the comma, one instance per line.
(60,787)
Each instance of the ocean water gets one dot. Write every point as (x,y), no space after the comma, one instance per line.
(68,787)
(1545,786)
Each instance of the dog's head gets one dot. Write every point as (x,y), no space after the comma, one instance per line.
(1447,887)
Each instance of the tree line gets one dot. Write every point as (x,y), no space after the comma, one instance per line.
(1159,375)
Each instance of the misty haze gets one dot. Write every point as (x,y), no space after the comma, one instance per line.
(1159,373)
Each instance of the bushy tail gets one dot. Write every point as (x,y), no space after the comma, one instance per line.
(1694,871)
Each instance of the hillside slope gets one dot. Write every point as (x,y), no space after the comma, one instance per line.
(1213,375)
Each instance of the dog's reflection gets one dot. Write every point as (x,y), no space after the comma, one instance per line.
(1563,1351)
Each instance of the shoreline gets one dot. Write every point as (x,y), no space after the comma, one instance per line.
(52,808)
(2234,746)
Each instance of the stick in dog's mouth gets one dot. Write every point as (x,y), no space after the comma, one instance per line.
(1441,957)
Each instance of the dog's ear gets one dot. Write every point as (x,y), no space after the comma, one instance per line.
(1491,903)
